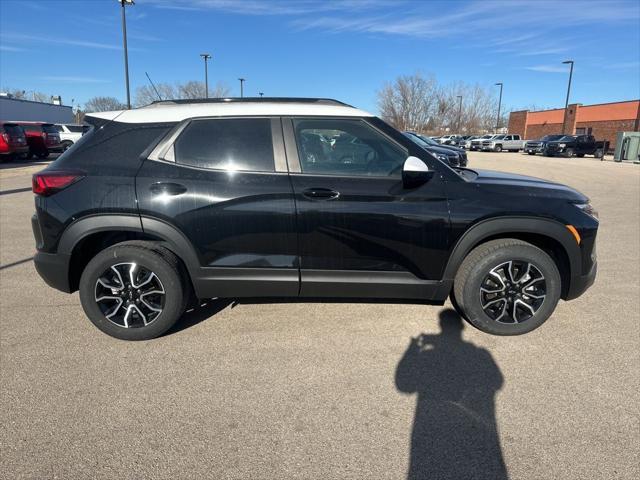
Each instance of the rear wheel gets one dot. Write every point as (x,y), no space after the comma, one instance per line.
(598,153)
(133,291)
(507,287)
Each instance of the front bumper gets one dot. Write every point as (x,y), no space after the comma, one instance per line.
(581,283)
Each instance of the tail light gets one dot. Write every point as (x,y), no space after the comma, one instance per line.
(6,137)
(48,183)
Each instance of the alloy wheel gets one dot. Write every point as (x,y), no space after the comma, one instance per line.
(130,295)
(513,292)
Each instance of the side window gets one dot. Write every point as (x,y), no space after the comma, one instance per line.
(516,137)
(227,144)
(333,146)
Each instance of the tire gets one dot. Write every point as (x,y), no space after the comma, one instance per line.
(43,154)
(497,148)
(531,153)
(123,313)
(66,146)
(598,153)
(539,287)
(569,153)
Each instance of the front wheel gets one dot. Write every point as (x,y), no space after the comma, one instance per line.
(507,287)
(133,291)
(497,148)
(598,153)
(569,153)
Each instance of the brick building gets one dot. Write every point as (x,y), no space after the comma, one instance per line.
(603,120)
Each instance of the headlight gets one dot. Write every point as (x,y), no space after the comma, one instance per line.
(588,209)
(562,145)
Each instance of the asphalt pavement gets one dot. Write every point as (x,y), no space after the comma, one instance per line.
(281,390)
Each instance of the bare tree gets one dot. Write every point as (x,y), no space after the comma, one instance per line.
(29,95)
(103,104)
(409,102)
(221,90)
(189,90)
(419,103)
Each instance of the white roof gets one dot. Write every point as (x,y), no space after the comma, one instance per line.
(175,112)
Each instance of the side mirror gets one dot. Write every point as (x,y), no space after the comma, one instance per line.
(415,172)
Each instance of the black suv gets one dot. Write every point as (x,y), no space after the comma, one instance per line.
(157,207)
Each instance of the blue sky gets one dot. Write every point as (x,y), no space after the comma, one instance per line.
(345,49)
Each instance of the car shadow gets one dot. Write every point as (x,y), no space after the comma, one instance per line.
(204,310)
(455,434)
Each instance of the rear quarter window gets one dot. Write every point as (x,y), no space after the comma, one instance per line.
(227,144)
(49,129)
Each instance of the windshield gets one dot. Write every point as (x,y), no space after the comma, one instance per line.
(499,137)
(416,139)
(429,141)
(550,138)
(567,138)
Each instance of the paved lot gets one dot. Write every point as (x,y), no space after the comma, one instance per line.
(309,390)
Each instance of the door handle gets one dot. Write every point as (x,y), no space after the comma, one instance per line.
(321,193)
(167,188)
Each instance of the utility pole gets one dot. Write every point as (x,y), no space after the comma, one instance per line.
(499,105)
(459,111)
(241,87)
(566,103)
(205,57)
(124,40)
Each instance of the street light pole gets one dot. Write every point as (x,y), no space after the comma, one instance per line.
(206,57)
(459,111)
(241,87)
(566,103)
(126,55)
(499,105)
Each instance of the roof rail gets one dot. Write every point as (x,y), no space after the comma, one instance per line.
(319,101)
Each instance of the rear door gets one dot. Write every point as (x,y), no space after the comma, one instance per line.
(222,184)
(361,233)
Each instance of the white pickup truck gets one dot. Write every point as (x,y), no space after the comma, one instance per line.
(510,142)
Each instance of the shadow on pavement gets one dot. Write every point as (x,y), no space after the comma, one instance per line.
(455,435)
(199,313)
(18,262)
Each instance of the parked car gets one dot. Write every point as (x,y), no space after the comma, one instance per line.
(460,141)
(447,155)
(450,148)
(13,143)
(498,143)
(202,199)
(539,146)
(43,139)
(477,143)
(447,139)
(70,133)
(579,145)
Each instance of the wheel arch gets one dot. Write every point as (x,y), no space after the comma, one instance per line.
(549,235)
(88,236)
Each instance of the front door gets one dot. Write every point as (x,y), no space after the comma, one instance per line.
(361,233)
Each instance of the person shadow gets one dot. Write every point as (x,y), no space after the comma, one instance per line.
(455,435)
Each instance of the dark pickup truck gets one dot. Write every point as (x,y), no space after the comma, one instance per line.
(578,145)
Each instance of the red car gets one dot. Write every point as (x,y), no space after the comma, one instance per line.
(13,142)
(43,138)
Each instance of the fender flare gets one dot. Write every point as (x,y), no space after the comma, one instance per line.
(513,225)
(173,239)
